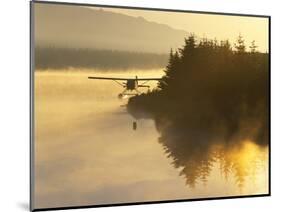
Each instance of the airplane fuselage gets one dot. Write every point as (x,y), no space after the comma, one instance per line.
(131,84)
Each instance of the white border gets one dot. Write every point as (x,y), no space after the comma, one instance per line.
(14,112)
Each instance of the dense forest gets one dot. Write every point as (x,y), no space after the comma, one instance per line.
(212,94)
(64,58)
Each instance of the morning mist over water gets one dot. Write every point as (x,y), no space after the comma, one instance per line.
(89,151)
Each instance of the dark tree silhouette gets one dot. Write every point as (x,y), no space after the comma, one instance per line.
(240,45)
(253,47)
(211,96)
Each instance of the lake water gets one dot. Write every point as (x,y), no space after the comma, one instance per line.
(87,153)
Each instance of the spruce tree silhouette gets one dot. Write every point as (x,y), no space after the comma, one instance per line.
(212,95)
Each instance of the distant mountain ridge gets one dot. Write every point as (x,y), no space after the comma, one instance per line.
(81,27)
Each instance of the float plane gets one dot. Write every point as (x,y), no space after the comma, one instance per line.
(131,85)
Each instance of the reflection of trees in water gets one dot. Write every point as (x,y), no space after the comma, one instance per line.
(197,158)
(243,159)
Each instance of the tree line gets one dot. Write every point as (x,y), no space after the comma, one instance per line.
(64,58)
(209,86)
(213,95)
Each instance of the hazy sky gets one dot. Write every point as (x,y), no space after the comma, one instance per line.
(211,26)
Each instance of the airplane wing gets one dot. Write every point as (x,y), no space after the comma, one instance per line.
(116,78)
(148,79)
(108,78)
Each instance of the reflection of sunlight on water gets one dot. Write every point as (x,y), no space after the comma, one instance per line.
(247,164)
(125,96)
(242,165)
(87,152)
(248,152)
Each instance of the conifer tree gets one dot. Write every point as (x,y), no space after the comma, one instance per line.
(240,45)
(168,70)
(253,47)
(190,45)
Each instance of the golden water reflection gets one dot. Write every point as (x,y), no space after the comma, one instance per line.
(86,152)
(241,161)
